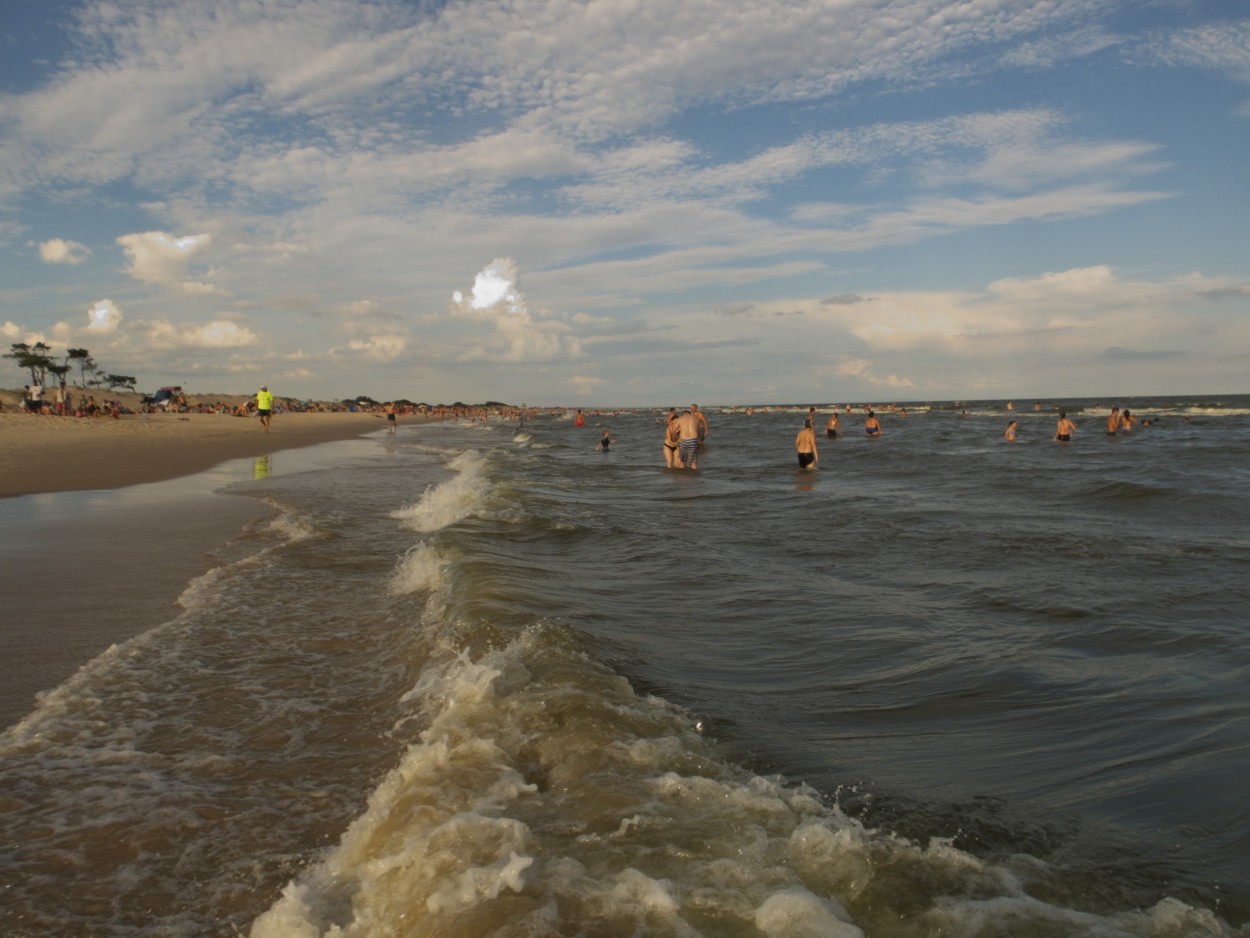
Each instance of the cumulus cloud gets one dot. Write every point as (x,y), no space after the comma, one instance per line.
(103,317)
(586,384)
(494,290)
(218,334)
(380,348)
(518,336)
(161,259)
(863,370)
(57,251)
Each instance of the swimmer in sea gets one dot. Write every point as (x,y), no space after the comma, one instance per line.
(671,441)
(1010,433)
(1113,422)
(1065,428)
(605,442)
(805,446)
(702,418)
(833,426)
(872,426)
(688,426)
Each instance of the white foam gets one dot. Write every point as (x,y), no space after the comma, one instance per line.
(798,913)
(420,570)
(544,796)
(451,501)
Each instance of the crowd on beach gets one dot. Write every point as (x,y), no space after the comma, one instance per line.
(61,402)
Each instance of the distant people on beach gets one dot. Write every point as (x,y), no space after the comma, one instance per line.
(264,406)
(805,446)
(1010,433)
(1065,428)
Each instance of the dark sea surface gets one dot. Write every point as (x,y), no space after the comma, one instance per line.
(483,679)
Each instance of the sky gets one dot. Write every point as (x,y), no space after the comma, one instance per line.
(632,202)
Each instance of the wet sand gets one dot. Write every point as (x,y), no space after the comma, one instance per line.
(61,454)
(107,521)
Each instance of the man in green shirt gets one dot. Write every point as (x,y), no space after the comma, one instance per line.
(264,406)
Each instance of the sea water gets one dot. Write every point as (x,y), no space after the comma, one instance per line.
(480,678)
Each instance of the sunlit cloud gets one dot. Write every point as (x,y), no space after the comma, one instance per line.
(57,251)
(218,334)
(103,317)
(160,259)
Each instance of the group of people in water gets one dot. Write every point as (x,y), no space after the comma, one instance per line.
(685,432)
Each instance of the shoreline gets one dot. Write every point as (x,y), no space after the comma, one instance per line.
(40,454)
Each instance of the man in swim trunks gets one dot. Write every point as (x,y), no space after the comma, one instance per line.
(688,439)
(872,426)
(833,426)
(805,446)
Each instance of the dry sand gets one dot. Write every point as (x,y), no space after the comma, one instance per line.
(59,454)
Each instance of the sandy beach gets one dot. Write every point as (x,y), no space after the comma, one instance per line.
(96,556)
(60,454)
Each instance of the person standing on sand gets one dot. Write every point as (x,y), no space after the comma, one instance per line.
(1065,428)
(264,406)
(805,446)
(390,416)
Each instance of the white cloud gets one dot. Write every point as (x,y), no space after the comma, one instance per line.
(57,251)
(494,291)
(161,259)
(518,337)
(103,317)
(381,348)
(218,334)
(863,370)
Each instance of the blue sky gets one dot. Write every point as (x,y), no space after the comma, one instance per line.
(632,201)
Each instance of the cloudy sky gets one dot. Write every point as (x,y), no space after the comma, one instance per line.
(632,201)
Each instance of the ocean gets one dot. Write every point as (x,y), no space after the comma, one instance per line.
(480,678)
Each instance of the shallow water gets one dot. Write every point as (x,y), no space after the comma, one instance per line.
(482,680)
